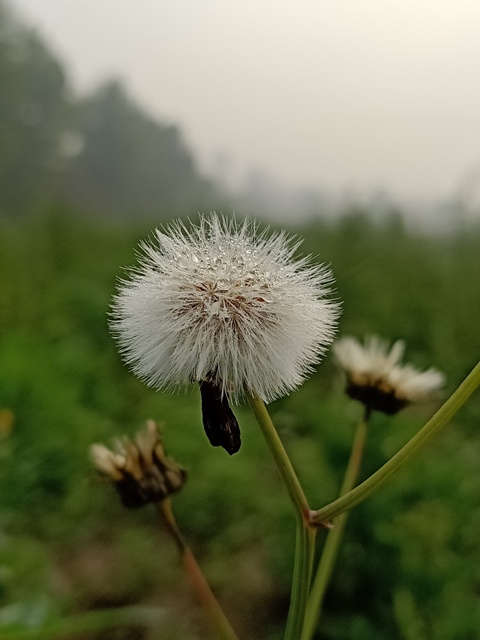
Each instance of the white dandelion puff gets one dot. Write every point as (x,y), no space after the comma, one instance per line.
(223,304)
(376,377)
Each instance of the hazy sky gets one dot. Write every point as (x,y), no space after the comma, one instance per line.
(331,93)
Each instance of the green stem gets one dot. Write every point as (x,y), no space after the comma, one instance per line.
(305,531)
(302,572)
(92,621)
(197,579)
(334,536)
(418,442)
(281,458)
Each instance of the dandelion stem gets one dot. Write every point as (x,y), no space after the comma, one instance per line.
(420,440)
(281,458)
(334,536)
(197,579)
(302,573)
(305,530)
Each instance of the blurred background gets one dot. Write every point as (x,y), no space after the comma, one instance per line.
(355,125)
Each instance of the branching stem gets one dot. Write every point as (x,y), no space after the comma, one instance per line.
(305,530)
(413,446)
(334,535)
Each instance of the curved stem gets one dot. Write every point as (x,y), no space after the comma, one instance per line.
(418,442)
(165,509)
(197,579)
(334,536)
(281,458)
(305,531)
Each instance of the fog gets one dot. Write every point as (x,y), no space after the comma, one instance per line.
(333,95)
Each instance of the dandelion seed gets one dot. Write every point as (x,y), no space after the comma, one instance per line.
(376,378)
(140,470)
(222,304)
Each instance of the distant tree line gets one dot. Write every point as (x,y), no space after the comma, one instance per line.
(100,154)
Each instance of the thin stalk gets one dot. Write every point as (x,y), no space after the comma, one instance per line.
(197,579)
(165,510)
(89,622)
(413,446)
(302,573)
(305,531)
(281,458)
(334,536)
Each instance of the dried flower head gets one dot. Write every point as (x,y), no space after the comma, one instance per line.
(223,304)
(140,469)
(375,377)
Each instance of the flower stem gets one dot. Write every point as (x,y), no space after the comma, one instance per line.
(197,579)
(281,458)
(413,446)
(302,572)
(334,536)
(305,530)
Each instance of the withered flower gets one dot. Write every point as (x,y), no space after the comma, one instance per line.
(140,469)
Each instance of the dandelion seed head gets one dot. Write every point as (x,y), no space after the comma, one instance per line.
(224,303)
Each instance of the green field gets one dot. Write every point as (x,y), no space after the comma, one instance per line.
(409,567)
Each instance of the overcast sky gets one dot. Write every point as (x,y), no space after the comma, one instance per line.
(330,93)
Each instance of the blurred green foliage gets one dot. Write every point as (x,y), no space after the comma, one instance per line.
(408,569)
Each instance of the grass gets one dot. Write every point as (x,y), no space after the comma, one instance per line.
(68,547)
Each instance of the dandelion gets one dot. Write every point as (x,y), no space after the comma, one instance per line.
(376,378)
(226,307)
(140,470)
